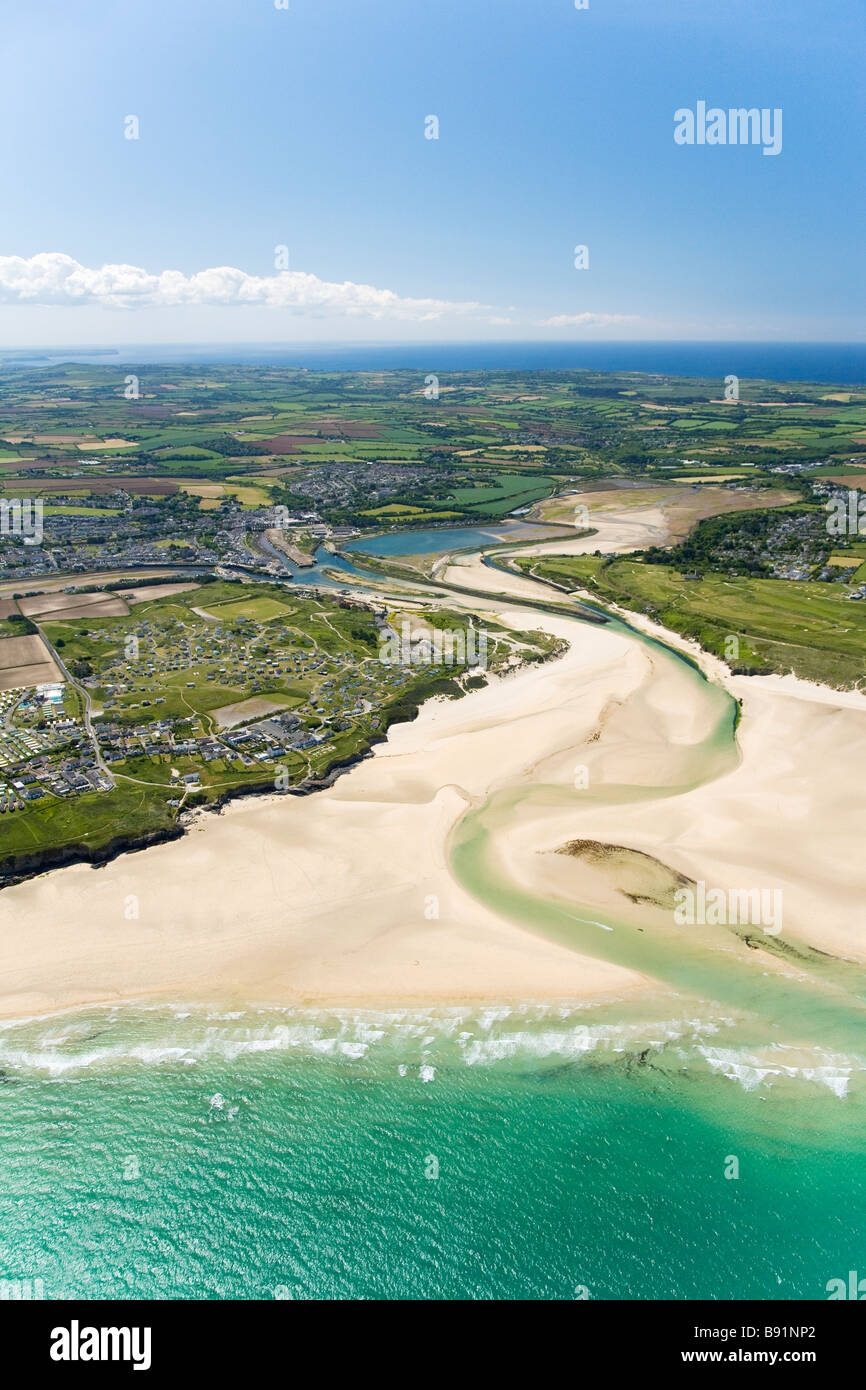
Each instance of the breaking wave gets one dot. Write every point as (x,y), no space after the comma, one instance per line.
(417,1043)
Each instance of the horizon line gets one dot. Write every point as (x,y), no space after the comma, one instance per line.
(325,343)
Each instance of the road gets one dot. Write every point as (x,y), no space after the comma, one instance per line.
(88,705)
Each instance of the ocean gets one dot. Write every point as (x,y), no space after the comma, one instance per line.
(837,363)
(532,1152)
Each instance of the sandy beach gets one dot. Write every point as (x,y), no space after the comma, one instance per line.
(347,895)
(342,896)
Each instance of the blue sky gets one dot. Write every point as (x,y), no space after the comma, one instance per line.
(305,128)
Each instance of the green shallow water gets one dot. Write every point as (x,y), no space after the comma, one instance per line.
(152,1153)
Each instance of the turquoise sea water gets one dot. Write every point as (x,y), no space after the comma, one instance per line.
(180,1154)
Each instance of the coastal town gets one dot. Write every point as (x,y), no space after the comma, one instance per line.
(141,675)
(170,691)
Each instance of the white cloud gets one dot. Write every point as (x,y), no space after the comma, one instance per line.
(586,320)
(52,278)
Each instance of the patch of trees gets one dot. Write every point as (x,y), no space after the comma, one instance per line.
(23,626)
(238,448)
(746,541)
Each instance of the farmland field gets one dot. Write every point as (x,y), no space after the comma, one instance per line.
(69,606)
(25,661)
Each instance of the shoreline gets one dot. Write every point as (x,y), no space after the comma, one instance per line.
(265,904)
(64,856)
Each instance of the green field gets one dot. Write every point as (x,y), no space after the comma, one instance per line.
(509,491)
(90,821)
(260,610)
(809,628)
